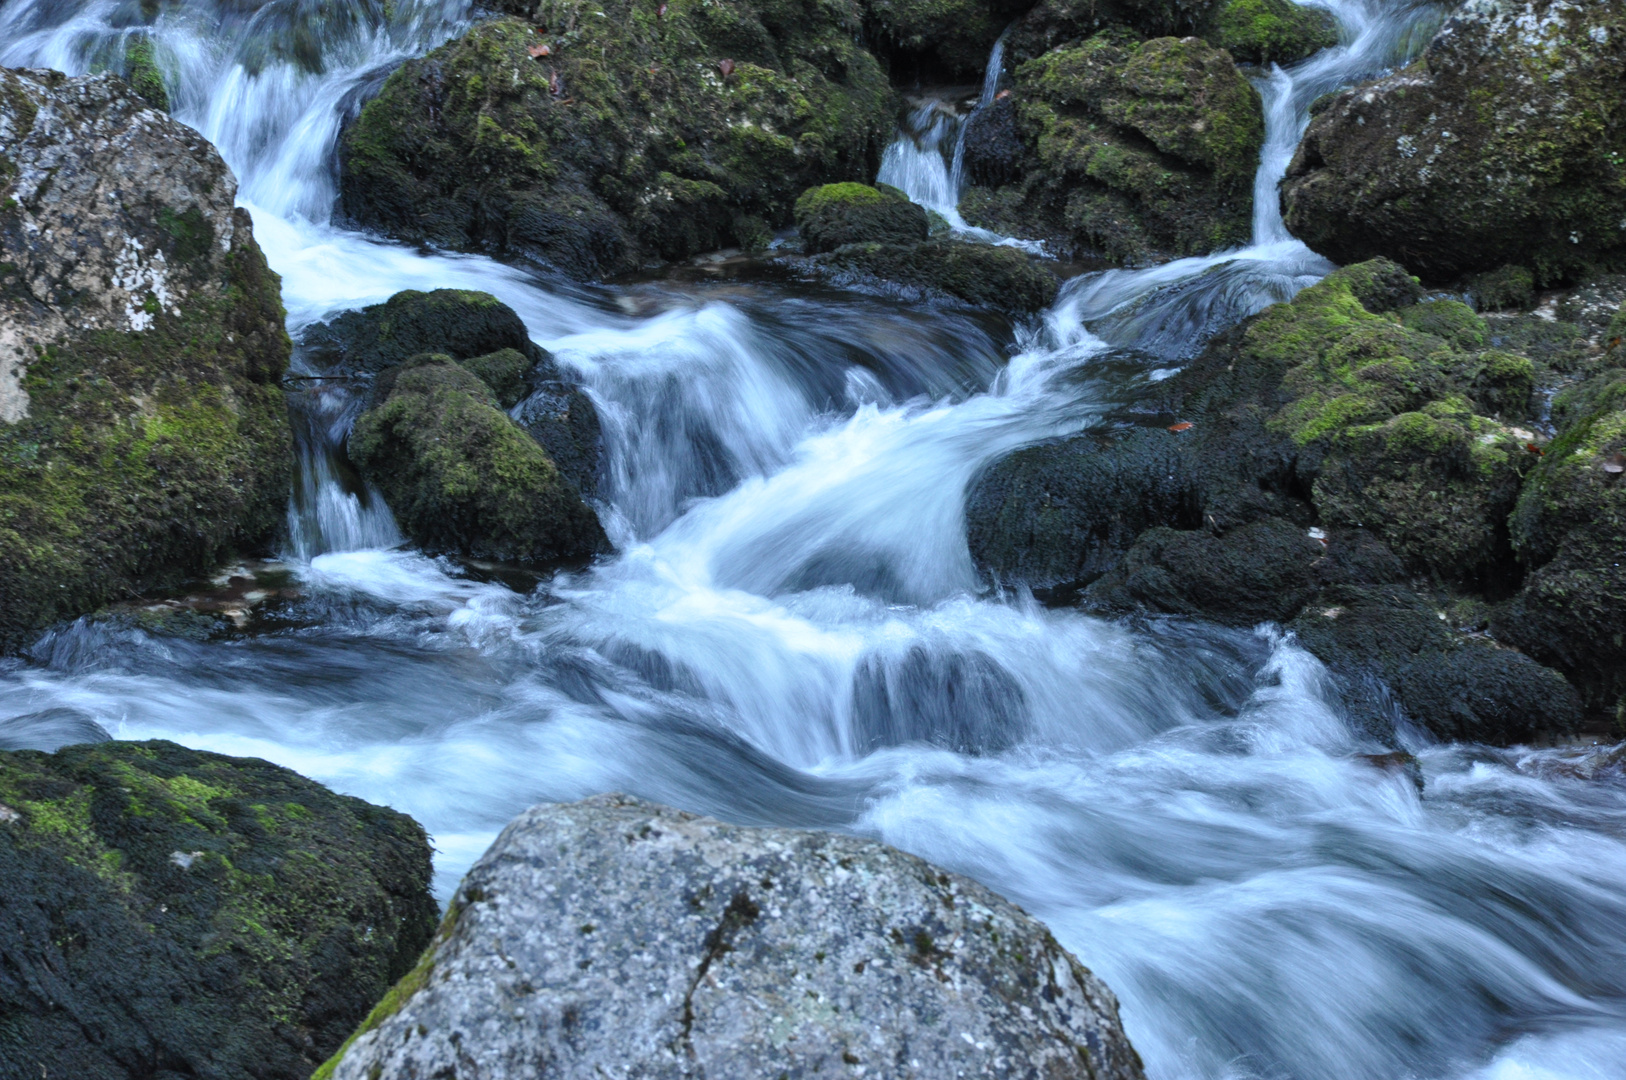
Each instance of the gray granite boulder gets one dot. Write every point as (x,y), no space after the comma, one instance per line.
(617,938)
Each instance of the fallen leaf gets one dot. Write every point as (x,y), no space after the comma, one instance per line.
(726,67)
(568,101)
(1615,465)
(1533,448)
(660,12)
(553,82)
(1002,95)
(1184,425)
(538,51)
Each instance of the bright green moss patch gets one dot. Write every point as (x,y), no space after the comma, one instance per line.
(1270,31)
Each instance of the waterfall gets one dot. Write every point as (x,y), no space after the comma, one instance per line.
(791,630)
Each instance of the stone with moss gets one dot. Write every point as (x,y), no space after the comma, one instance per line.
(836,214)
(462,477)
(1270,31)
(1507,288)
(462,323)
(173,912)
(1001,278)
(615,937)
(1502,145)
(936,41)
(1132,150)
(143,433)
(596,137)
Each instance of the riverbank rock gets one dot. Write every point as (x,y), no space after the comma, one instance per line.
(168,912)
(461,476)
(837,214)
(142,429)
(1253,31)
(596,137)
(1502,145)
(615,937)
(1130,150)
(1338,442)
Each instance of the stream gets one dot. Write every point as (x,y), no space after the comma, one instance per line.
(791,630)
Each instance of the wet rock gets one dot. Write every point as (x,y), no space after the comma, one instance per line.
(994,149)
(562,419)
(636,136)
(1262,572)
(142,430)
(1570,531)
(617,937)
(168,912)
(1500,146)
(1134,150)
(461,323)
(1002,278)
(1269,31)
(936,41)
(462,477)
(1390,647)
(837,214)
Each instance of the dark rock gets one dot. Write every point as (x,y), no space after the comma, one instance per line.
(461,323)
(1501,146)
(1391,647)
(141,341)
(629,141)
(563,420)
(994,149)
(837,214)
(1262,572)
(463,477)
(168,912)
(937,41)
(1002,278)
(613,937)
(1132,150)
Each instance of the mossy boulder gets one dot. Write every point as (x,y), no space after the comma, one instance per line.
(169,912)
(462,323)
(1356,410)
(1570,531)
(1503,145)
(1270,31)
(836,214)
(597,137)
(461,476)
(1001,278)
(143,433)
(1131,150)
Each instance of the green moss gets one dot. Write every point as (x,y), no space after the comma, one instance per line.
(1270,31)
(504,373)
(1507,288)
(837,214)
(1452,321)
(841,196)
(142,72)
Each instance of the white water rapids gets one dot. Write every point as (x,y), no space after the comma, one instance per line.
(792,630)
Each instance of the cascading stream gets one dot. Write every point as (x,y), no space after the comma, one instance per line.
(792,632)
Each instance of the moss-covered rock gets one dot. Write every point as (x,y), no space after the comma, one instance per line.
(1570,531)
(1502,145)
(837,214)
(599,136)
(1001,278)
(1269,31)
(143,433)
(459,322)
(463,477)
(173,912)
(1132,150)
(937,40)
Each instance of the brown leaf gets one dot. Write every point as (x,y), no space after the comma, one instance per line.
(553,82)
(1184,425)
(726,67)
(1533,448)
(1002,95)
(538,51)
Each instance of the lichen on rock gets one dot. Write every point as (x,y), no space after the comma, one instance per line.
(141,341)
(1502,145)
(616,937)
(170,911)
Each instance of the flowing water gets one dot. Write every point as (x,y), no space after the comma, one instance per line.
(792,631)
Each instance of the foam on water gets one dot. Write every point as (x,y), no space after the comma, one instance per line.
(792,631)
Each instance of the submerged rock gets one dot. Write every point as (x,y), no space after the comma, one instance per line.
(596,137)
(837,214)
(142,430)
(1502,145)
(461,476)
(614,937)
(168,912)
(1130,150)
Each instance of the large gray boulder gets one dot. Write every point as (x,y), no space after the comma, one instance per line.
(613,937)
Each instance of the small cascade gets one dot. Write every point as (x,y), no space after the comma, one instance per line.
(332,508)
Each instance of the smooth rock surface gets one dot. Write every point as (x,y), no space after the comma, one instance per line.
(614,937)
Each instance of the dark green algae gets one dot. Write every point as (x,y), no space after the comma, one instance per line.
(173,911)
